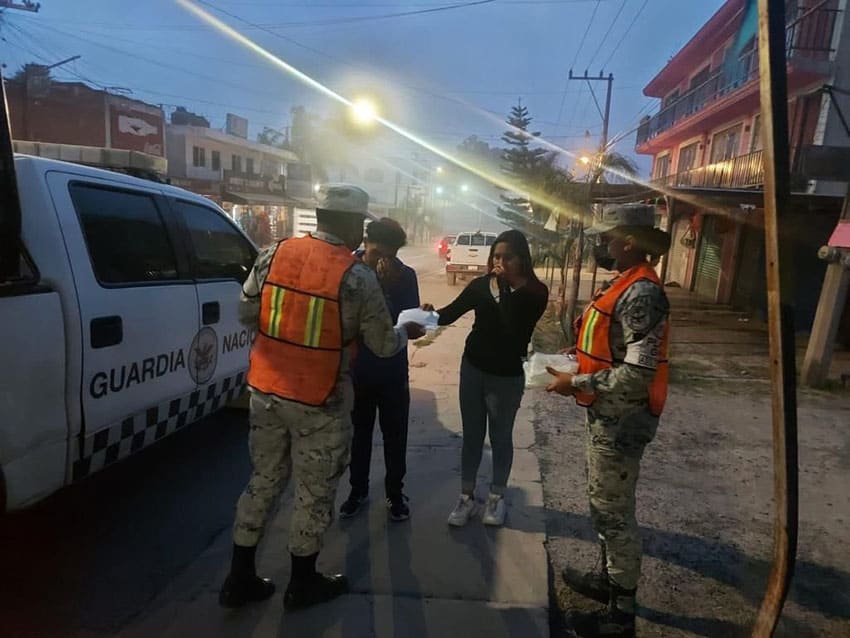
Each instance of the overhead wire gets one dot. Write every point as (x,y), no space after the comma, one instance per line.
(607,33)
(625,33)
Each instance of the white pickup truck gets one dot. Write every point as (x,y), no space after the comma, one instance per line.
(468,255)
(120,326)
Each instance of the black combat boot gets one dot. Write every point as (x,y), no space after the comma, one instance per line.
(243,585)
(307,587)
(593,584)
(616,621)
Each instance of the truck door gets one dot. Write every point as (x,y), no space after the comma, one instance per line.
(139,315)
(221,258)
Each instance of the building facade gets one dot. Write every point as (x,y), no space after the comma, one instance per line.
(261,186)
(74,122)
(706,145)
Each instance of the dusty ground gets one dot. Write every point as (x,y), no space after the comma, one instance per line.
(705,494)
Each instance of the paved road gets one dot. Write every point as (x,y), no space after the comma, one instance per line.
(88,559)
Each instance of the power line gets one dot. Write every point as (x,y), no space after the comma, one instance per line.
(578,51)
(295,25)
(626,32)
(607,33)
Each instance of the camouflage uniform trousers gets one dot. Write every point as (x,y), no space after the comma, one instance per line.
(614,447)
(314,445)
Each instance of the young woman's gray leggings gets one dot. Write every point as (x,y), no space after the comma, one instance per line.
(487,399)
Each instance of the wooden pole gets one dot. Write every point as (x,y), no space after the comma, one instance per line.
(774,110)
(833,297)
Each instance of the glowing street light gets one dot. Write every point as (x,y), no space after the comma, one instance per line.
(439,190)
(316,187)
(364,111)
(439,170)
(584,159)
(464,188)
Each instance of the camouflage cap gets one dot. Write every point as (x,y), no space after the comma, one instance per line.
(626,215)
(343,198)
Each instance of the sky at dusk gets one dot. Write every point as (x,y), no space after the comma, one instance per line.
(443,74)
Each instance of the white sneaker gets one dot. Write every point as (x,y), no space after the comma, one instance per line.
(462,512)
(496,509)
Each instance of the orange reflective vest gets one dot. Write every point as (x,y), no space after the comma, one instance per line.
(593,348)
(298,350)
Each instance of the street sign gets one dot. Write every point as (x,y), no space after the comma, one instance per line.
(830,163)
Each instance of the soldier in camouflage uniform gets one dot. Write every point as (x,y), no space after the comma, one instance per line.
(312,444)
(625,401)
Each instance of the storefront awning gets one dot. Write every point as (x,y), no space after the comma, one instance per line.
(257,199)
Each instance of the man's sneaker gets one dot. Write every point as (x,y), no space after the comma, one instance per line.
(316,589)
(495,512)
(397,505)
(353,504)
(464,509)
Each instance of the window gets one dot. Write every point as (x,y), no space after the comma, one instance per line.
(199,156)
(236,164)
(479,240)
(125,233)
(700,78)
(725,144)
(670,99)
(755,140)
(490,240)
(249,166)
(463,240)
(687,158)
(220,251)
(216,160)
(662,166)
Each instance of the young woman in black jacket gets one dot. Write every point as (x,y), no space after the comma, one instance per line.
(508,302)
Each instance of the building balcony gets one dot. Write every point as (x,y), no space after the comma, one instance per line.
(734,87)
(744,171)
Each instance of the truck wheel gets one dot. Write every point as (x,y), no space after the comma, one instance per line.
(451,278)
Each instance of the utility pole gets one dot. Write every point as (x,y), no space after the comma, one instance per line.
(596,171)
(783,379)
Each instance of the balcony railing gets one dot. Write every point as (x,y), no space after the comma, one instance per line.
(744,171)
(808,34)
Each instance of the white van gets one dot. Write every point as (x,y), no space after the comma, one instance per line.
(124,327)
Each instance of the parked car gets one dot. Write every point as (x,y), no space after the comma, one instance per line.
(123,327)
(468,255)
(444,245)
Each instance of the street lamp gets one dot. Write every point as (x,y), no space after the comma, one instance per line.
(464,188)
(363,111)
(439,190)
(316,187)
(439,170)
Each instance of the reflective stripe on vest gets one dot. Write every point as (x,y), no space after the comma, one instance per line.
(298,351)
(593,346)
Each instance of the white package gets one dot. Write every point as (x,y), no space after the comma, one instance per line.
(535,368)
(426,318)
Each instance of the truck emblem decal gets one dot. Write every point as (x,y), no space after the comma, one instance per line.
(203,355)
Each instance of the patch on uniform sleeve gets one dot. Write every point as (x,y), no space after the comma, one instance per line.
(638,314)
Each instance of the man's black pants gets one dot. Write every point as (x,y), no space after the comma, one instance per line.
(390,401)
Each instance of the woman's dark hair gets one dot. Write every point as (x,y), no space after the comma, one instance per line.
(519,246)
(388,232)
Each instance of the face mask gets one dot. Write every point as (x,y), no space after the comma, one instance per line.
(603,258)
